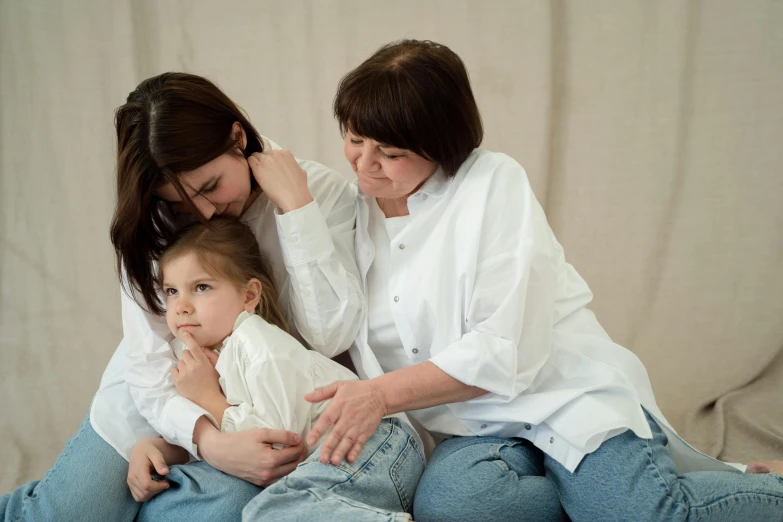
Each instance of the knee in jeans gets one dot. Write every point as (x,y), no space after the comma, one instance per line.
(462,497)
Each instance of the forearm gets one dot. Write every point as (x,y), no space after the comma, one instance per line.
(422,386)
(203,435)
(171,454)
(216,406)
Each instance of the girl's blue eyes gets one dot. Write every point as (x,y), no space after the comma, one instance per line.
(199,288)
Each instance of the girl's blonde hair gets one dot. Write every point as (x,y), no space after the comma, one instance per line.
(226,247)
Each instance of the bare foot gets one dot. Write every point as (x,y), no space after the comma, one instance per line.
(768,466)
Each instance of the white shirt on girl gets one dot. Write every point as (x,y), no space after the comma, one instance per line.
(265,374)
(311,252)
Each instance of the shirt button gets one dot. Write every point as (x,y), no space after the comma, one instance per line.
(402,246)
(483,426)
(293,238)
(551,440)
(396,298)
(528,426)
(415,350)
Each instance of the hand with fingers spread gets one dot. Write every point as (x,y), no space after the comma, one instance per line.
(197,379)
(354,413)
(281,178)
(149,455)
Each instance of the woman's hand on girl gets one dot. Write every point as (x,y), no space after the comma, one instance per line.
(281,178)
(143,459)
(249,454)
(354,413)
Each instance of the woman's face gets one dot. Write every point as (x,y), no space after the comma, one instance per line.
(385,171)
(220,187)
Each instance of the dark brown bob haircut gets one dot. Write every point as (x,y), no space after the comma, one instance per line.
(413,95)
(170,124)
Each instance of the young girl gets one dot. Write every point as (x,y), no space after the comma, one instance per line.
(237,361)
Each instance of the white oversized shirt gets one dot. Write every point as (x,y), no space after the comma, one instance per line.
(265,374)
(311,252)
(478,285)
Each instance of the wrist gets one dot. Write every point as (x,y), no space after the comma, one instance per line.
(381,393)
(296,203)
(205,437)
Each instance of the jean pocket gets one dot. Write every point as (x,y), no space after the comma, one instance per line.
(405,472)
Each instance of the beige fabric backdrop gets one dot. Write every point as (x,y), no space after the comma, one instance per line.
(651,132)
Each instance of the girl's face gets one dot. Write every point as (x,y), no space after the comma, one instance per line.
(220,187)
(385,171)
(201,303)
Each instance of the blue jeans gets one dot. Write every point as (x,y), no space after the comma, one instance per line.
(629,478)
(626,479)
(379,486)
(88,482)
(486,479)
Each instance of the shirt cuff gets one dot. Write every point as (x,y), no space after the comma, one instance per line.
(182,415)
(304,235)
(488,366)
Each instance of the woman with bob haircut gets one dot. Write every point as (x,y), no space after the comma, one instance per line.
(479,329)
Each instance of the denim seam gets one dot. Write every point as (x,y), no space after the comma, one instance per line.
(28,500)
(351,503)
(353,474)
(703,507)
(660,476)
(402,493)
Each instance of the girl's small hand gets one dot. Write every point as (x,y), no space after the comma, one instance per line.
(144,458)
(195,376)
(354,414)
(281,178)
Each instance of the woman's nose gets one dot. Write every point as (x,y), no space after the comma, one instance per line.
(204,206)
(366,162)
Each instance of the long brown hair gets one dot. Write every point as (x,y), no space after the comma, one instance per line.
(227,247)
(170,124)
(416,95)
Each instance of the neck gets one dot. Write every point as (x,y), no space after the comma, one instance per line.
(393,207)
(251,199)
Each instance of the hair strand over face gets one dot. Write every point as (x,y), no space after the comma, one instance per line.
(170,124)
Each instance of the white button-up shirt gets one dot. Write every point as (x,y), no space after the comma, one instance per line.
(311,252)
(265,374)
(478,285)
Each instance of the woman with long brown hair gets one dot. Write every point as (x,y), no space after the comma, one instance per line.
(185,152)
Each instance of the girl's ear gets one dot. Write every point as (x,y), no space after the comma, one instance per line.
(253,291)
(238,133)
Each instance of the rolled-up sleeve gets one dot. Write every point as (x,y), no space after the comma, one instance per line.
(510,312)
(317,241)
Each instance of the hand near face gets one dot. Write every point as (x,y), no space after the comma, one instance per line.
(281,178)
(195,376)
